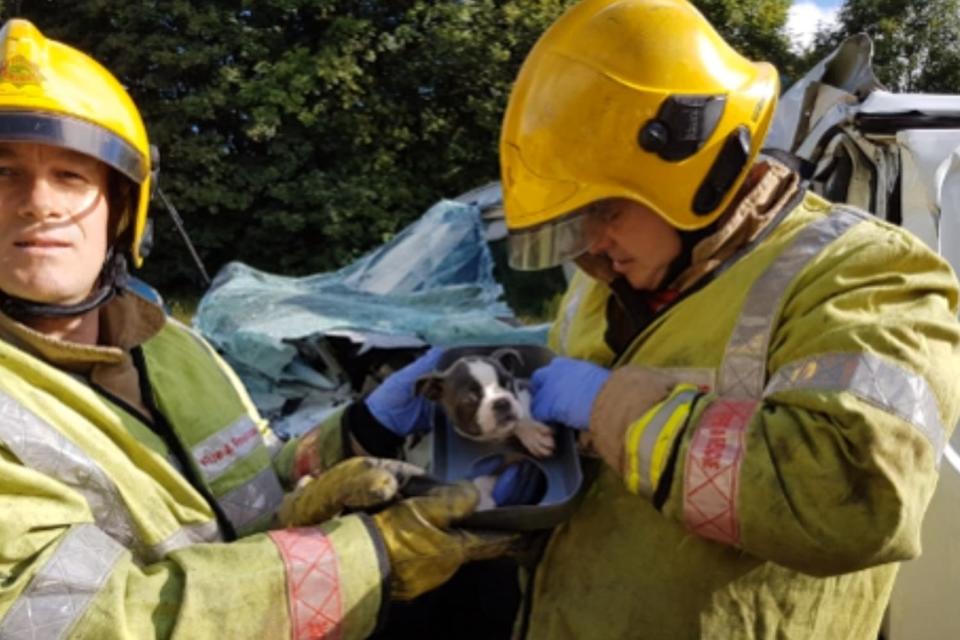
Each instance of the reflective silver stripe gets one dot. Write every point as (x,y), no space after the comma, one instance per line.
(566,322)
(41,447)
(743,371)
(872,379)
(186,537)
(220,451)
(60,593)
(652,433)
(254,499)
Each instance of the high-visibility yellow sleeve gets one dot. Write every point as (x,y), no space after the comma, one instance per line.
(830,470)
(64,577)
(316,450)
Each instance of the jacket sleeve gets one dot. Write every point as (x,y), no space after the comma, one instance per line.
(830,469)
(63,576)
(347,432)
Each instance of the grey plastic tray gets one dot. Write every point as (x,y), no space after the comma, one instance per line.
(454,457)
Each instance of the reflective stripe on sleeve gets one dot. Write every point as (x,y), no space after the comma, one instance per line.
(648,439)
(872,379)
(252,501)
(313,583)
(712,472)
(41,447)
(743,371)
(62,590)
(715,454)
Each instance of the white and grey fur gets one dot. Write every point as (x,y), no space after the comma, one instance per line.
(486,402)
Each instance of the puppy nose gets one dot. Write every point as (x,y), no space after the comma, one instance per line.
(501,405)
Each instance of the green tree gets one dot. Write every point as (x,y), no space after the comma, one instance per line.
(754,27)
(916,42)
(296,134)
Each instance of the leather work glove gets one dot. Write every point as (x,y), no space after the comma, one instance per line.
(564,391)
(355,483)
(424,551)
(628,395)
(394,403)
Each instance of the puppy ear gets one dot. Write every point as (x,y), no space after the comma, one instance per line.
(430,386)
(509,359)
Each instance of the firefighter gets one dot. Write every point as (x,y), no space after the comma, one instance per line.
(138,485)
(766,380)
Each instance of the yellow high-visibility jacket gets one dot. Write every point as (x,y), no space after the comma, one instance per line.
(103,536)
(828,365)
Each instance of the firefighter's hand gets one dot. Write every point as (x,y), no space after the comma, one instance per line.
(355,483)
(424,550)
(564,391)
(395,404)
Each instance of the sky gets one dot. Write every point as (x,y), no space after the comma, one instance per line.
(804,16)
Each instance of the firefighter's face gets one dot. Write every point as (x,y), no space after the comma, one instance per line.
(53,222)
(639,243)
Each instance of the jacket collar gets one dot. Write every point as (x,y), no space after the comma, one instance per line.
(126,322)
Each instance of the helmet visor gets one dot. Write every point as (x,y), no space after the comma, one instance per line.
(77,135)
(557,241)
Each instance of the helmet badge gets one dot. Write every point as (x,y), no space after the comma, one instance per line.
(19,72)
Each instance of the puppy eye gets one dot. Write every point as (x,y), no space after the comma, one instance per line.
(470,398)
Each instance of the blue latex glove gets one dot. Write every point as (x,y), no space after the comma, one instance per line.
(394,403)
(520,482)
(564,391)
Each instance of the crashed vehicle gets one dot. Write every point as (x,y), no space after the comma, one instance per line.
(307,345)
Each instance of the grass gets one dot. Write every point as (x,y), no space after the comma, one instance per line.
(183,307)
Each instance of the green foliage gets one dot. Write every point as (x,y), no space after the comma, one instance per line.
(297,134)
(917,42)
(753,27)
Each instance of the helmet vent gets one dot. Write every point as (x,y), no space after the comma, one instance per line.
(726,169)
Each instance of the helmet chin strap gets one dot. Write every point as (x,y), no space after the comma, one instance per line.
(113,278)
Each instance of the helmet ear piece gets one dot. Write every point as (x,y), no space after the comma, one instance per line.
(154,170)
(146,240)
(729,164)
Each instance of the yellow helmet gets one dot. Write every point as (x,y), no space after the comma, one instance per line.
(54,94)
(637,99)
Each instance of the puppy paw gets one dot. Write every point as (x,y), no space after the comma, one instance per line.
(536,437)
(484,485)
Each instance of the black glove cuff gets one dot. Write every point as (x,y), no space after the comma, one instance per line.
(386,571)
(375,438)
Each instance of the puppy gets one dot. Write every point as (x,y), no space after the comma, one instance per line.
(486,403)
